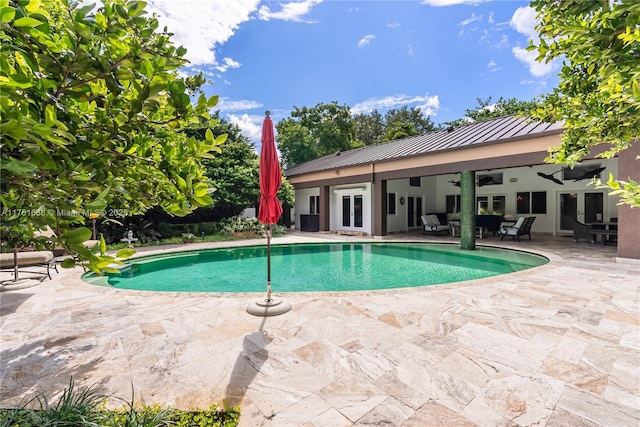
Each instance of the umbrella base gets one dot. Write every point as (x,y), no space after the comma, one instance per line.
(268,307)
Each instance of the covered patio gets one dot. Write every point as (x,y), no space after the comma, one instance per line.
(555,345)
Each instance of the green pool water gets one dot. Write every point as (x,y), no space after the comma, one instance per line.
(316,267)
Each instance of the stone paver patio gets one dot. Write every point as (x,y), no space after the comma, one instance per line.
(558,345)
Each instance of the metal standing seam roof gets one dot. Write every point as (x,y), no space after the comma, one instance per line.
(497,130)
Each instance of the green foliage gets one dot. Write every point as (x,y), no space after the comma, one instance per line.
(405,122)
(369,128)
(314,132)
(90,102)
(242,225)
(486,110)
(626,190)
(85,407)
(75,407)
(598,96)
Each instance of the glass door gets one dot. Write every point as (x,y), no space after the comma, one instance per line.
(414,211)
(583,206)
(352,211)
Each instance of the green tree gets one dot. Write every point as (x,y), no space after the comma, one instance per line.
(485,110)
(369,128)
(399,130)
(90,104)
(405,122)
(234,172)
(314,132)
(598,96)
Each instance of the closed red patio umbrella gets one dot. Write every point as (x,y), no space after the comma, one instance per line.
(269,212)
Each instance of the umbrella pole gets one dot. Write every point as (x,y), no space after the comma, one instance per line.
(268,262)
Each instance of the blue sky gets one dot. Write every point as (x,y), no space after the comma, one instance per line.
(439,55)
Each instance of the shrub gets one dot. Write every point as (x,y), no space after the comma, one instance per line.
(84,407)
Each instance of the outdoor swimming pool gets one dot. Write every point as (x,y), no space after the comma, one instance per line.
(316,267)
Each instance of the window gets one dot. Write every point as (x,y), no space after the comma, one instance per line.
(522,203)
(499,205)
(582,172)
(482,205)
(539,202)
(489,179)
(453,204)
(414,181)
(314,205)
(490,205)
(534,202)
(391,203)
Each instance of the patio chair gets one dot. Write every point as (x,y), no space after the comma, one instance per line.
(581,231)
(432,223)
(25,260)
(520,228)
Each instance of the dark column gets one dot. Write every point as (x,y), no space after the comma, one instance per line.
(379,207)
(325,209)
(628,218)
(468,210)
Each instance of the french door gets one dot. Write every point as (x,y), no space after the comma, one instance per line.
(414,211)
(352,211)
(584,206)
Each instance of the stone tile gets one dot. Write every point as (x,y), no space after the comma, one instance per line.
(596,409)
(522,400)
(390,413)
(331,418)
(352,397)
(579,375)
(433,414)
(580,315)
(307,411)
(562,418)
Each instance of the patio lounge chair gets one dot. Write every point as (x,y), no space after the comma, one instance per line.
(520,228)
(432,223)
(28,259)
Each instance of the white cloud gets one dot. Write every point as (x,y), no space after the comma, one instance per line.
(410,50)
(439,3)
(538,69)
(228,63)
(504,42)
(493,66)
(524,21)
(428,104)
(224,104)
(294,11)
(202,24)
(366,40)
(491,19)
(393,25)
(472,18)
(250,126)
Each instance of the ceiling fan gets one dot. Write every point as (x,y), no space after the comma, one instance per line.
(482,181)
(551,177)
